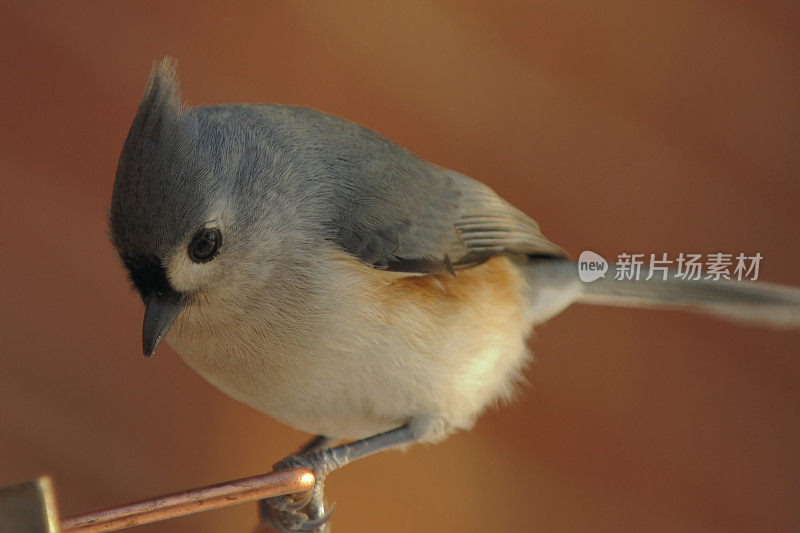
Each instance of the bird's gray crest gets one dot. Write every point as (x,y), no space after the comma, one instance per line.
(161,102)
(154,165)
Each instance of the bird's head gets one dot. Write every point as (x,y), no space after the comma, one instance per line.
(176,218)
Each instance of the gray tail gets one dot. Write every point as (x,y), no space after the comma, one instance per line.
(555,285)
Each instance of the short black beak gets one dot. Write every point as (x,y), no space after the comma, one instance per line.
(161,311)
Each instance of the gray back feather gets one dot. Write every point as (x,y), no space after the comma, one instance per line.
(393,210)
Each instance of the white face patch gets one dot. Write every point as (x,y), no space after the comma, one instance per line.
(186,275)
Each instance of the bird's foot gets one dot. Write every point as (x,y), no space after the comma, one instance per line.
(289,514)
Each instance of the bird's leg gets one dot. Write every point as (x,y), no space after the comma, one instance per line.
(284,513)
(316,444)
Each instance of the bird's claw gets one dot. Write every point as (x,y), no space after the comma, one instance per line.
(291,518)
(299,504)
(289,514)
(298,522)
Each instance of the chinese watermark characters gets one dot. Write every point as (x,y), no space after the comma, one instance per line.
(687,266)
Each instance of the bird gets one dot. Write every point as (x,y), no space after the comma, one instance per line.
(328,277)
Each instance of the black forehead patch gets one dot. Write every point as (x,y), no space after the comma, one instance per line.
(147,275)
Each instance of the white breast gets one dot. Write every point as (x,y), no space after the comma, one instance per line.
(360,351)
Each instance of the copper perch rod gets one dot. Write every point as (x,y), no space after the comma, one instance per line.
(191,501)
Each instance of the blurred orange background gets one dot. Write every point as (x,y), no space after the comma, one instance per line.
(621,126)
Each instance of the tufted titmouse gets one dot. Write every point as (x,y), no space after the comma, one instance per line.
(326,276)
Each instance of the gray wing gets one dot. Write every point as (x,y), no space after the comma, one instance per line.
(395,211)
(436,222)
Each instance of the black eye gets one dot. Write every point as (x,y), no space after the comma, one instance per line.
(205,245)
